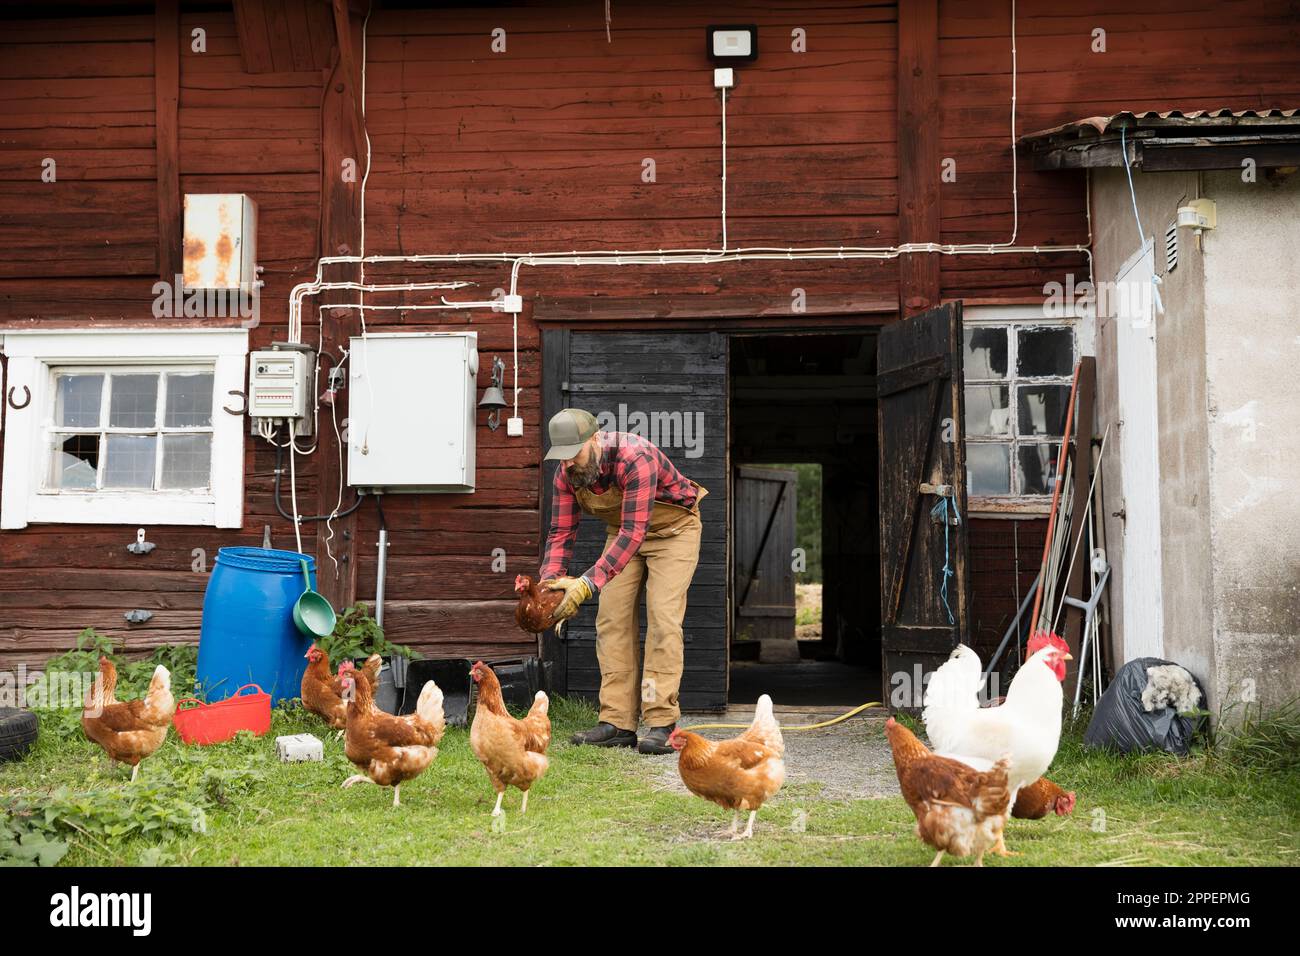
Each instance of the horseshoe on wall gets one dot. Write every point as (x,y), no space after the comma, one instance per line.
(231,411)
(27,392)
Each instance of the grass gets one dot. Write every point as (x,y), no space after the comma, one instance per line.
(599,807)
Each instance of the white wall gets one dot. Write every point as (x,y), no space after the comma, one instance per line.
(1252,329)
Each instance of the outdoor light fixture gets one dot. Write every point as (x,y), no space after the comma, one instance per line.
(493,398)
(731,44)
(1198,214)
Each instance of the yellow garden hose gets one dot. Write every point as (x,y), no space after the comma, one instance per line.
(825,723)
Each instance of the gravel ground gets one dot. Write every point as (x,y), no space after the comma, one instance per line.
(848,761)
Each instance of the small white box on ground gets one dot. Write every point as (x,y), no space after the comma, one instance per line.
(299,747)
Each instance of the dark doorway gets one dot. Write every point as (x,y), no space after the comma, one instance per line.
(799,400)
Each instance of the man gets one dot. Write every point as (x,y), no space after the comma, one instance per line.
(652,515)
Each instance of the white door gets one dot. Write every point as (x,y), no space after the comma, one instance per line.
(1135,334)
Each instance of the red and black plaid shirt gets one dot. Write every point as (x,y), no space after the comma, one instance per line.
(645,475)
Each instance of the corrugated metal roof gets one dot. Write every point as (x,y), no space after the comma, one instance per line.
(1171,119)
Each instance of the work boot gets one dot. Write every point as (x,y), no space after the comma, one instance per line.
(655,740)
(605,735)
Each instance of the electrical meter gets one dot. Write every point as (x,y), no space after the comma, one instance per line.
(280,385)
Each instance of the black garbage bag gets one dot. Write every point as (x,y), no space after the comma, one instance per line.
(1123,723)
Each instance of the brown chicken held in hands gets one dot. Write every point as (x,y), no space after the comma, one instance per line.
(537,605)
(1038,799)
(958,809)
(512,751)
(738,774)
(322,692)
(387,749)
(129,731)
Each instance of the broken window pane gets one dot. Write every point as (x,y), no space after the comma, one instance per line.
(130,461)
(78,401)
(1037,468)
(187,461)
(988,411)
(74,462)
(1042,409)
(985,353)
(1045,351)
(133,402)
(189,400)
(988,468)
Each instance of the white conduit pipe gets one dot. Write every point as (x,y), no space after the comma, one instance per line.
(687,256)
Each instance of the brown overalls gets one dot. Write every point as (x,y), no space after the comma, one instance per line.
(664,564)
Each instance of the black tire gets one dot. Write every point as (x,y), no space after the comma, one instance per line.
(18,730)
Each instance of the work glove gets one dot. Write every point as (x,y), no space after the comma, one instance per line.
(576,590)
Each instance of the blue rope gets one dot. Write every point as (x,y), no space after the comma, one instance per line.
(940,511)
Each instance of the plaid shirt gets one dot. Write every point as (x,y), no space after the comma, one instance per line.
(645,475)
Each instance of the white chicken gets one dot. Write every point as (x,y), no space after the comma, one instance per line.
(1027,726)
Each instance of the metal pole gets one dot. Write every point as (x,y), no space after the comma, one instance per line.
(380,574)
(1056,498)
(1013,629)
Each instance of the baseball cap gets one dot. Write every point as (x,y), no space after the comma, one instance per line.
(569,429)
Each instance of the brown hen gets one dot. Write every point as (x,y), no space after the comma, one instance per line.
(1038,799)
(537,605)
(512,751)
(958,809)
(322,691)
(129,731)
(737,774)
(388,749)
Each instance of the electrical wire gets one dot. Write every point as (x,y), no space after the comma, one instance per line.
(329,522)
(293,486)
(724,167)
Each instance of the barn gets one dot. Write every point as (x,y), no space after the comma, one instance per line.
(826,245)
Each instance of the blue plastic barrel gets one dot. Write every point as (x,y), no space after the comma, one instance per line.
(248,634)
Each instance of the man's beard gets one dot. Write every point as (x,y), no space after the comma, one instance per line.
(583,476)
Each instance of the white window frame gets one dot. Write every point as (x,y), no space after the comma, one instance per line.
(33,356)
(1021,316)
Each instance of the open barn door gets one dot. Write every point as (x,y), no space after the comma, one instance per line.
(922,461)
(671,388)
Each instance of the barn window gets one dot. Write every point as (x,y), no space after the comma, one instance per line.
(124,427)
(129,427)
(1017,387)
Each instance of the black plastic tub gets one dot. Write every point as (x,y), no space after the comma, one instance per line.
(521,679)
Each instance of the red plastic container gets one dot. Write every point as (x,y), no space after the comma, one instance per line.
(216,723)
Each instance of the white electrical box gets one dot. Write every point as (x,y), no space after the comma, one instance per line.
(411,411)
(280,384)
(220,241)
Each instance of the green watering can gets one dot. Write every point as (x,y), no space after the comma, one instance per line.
(312,614)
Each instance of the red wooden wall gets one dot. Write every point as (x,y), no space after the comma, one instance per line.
(541,148)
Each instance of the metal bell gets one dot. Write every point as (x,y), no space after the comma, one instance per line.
(492,398)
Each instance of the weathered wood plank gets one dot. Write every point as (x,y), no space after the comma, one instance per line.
(166,109)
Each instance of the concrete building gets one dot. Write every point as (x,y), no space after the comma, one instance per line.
(1197,344)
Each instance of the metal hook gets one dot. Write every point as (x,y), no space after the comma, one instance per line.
(231,411)
(27,392)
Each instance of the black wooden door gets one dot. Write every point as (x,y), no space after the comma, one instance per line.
(671,388)
(922,461)
(763,528)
